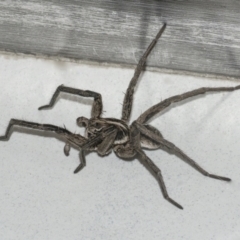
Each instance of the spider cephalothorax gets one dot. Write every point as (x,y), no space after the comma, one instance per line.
(106,134)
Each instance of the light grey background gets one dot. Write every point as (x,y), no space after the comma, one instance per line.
(112,199)
(202,36)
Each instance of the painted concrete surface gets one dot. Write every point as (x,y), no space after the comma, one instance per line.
(113,199)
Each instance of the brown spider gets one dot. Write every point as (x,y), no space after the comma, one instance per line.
(106,134)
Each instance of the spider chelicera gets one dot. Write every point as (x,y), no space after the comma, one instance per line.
(106,134)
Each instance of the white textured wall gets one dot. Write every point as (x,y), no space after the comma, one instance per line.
(112,199)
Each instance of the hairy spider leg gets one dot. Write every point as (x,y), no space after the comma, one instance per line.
(178,152)
(82,162)
(44,127)
(97,103)
(33,125)
(135,136)
(82,143)
(159,176)
(144,117)
(128,99)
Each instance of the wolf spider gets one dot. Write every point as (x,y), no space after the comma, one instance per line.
(106,134)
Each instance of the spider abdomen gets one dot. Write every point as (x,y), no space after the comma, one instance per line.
(147,142)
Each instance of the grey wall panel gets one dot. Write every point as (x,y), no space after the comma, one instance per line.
(202,36)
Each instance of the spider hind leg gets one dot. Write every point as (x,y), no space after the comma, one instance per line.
(159,177)
(178,152)
(170,147)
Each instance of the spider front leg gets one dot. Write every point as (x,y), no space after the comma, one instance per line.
(97,104)
(32,125)
(135,143)
(128,99)
(51,128)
